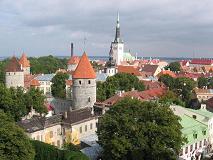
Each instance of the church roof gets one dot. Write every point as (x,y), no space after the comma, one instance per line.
(13,65)
(84,69)
(73,60)
(24,61)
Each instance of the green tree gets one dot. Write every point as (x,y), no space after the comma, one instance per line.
(202,82)
(14,145)
(58,87)
(48,152)
(17,103)
(132,129)
(174,66)
(46,64)
(167,80)
(171,98)
(118,82)
(184,87)
(34,98)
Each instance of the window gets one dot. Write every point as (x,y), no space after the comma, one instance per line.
(58,143)
(51,134)
(205,142)
(85,129)
(80,129)
(53,143)
(41,138)
(37,138)
(191,148)
(195,135)
(195,145)
(58,131)
(204,132)
(200,145)
(90,125)
(186,150)
(89,99)
(89,82)
(79,82)
(181,152)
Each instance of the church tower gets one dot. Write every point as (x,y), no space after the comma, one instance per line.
(84,84)
(110,68)
(118,45)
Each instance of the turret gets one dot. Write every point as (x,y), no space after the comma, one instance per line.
(84,84)
(25,64)
(14,74)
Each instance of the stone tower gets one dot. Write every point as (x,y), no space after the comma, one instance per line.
(118,45)
(14,74)
(25,64)
(84,84)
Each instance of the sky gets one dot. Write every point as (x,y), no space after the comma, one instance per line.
(164,28)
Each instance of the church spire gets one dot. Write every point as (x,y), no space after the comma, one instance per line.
(118,34)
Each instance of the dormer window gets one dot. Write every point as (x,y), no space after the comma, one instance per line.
(204,132)
(195,135)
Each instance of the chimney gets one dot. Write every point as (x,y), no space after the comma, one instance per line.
(71,49)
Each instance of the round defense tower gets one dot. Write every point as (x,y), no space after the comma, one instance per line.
(14,74)
(84,84)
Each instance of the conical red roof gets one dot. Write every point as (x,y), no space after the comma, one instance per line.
(73,60)
(13,65)
(84,69)
(24,61)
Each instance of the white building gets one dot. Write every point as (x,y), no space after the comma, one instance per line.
(45,81)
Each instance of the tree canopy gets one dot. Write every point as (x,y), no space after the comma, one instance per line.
(181,86)
(58,87)
(174,66)
(48,152)
(14,144)
(118,82)
(17,103)
(46,64)
(132,129)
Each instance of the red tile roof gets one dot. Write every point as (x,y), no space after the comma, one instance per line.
(73,60)
(24,61)
(68,82)
(34,82)
(143,95)
(153,85)
(149,68)
(170,73)
(129,69)
(202,61)
(13,65)
(84,69)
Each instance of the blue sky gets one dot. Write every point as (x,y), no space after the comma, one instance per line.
(171,28)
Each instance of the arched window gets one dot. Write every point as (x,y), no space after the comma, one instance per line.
(89,82)
(89,99)
(79,82)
